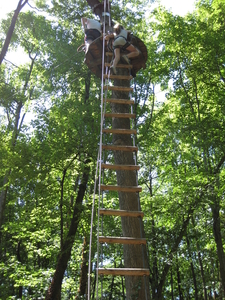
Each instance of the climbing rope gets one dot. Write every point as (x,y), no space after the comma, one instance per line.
(98,168)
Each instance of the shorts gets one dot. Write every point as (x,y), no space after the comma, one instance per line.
(92,34)
(120,42)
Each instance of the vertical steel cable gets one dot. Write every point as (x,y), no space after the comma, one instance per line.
(91,232)
(102,121)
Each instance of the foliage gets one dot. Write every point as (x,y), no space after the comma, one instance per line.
(49,126)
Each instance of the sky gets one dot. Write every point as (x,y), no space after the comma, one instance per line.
(178,6)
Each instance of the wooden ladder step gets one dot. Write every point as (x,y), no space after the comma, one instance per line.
(120,131)
(118,88)
(122,77)
(121,240)
(124,271)
(120,188)
(121,213)
(125,66)
(120,101)
(119,115)
(120,148)
(120,167)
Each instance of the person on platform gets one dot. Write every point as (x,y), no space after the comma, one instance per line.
(92,29)
(120,36)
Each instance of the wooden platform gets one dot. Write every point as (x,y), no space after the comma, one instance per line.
(93,58)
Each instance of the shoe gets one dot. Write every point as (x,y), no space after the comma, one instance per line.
(113,70)
(126,59)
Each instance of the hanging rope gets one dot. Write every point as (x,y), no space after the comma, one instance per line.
(98,170)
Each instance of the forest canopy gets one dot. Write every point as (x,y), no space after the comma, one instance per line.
(50,118)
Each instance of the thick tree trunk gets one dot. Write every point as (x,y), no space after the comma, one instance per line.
(11,29)
(135,256)
(55,286)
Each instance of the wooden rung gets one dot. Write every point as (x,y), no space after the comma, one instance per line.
(119,188)
(124,271)
(125,66)
(120,101)
(121,213)
(120,167)
(122,240)
(120,148)
(122,77)
(118,88)
(120,131)
(119,115)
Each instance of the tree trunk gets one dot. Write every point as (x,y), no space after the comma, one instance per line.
(171,282)
(192,269)
(179,283)
(11,29)
(171,254)
(135,256)
(84,270)
(54,291)
(219,243)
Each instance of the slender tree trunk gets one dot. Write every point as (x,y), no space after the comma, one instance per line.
(171,282)
(202,275)
(219,243)
(11,29)
(200,264)
(84,270)
(54,290)
(192,269)
(19,259)
(179,283)
(170,255)
(111,289)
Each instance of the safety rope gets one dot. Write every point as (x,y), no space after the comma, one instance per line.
(98,168)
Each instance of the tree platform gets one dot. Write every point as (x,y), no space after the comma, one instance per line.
(93,58)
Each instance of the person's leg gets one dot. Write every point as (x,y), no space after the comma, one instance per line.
(87,44)
(117,57)
(133,52)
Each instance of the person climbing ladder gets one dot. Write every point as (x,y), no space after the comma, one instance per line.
(121,43)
